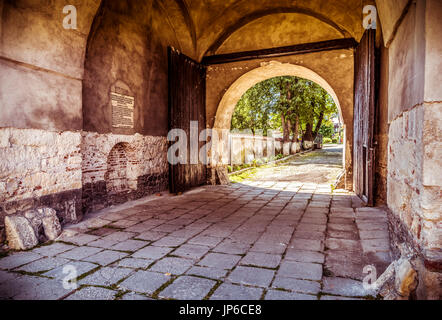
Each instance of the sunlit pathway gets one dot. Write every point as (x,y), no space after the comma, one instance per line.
(267,238)
(319,167)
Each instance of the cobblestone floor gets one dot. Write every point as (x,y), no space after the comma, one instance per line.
(261,239)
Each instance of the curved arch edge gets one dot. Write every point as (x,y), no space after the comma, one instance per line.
(272,69)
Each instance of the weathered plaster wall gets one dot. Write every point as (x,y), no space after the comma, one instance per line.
(390,13)
(41,64)
(215,21)
(280,30)
(335,67)
(407,63)
(125,47)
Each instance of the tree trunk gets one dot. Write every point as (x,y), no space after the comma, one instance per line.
(318,125)
(285,129)
(308,134)
(295,130)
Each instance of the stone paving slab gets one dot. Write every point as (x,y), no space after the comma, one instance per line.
(93,293)
(169,241)
(375,245)
(207,272)
(310,235)
(372,226)
(342,227)
(188,288)
(133,263)
(306,244)
(63,271)
(150,236)
(174,266)
(101,232)
(271,248)
(261,260)
(20,285)
(18,259)
(374,234)
(191,251)
(252,276)
(343,245)
(151,252)
(300,270)
(144,282)
(52,250)
(129,245)
(44,264)
(82,239)
(234,292)
(304,256)
(106,276)
(220,260)
(123,224)
(47,289)
(345,264)
(6,276)
(302,286)
(106,257)
(80,253)
(103,243)
(308,227)
(348,235)
(206,241)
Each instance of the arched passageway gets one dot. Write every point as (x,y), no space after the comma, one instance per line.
(58,87)
(271,70)
(267,70)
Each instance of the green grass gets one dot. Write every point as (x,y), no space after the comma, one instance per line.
(238,178)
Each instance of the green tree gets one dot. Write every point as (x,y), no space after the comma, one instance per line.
(289,104)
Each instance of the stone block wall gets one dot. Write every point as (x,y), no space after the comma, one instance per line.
(405,173)
(118,168)
(414,190)
(414,153)
(40,169)
(74,172)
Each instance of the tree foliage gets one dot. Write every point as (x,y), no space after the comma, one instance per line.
(295,106)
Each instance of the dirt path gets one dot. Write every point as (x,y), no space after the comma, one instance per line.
(320,166)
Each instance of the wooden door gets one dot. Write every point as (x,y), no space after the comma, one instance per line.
(187,104)
(364,117)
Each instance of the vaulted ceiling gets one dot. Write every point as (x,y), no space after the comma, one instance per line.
(221,26)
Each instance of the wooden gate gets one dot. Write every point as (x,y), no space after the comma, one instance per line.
(364,117)
(187,103)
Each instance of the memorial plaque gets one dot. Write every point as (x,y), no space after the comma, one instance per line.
(122,110)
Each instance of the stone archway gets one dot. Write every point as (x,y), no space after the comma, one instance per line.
(273,69)
(120,176)
(270,70)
